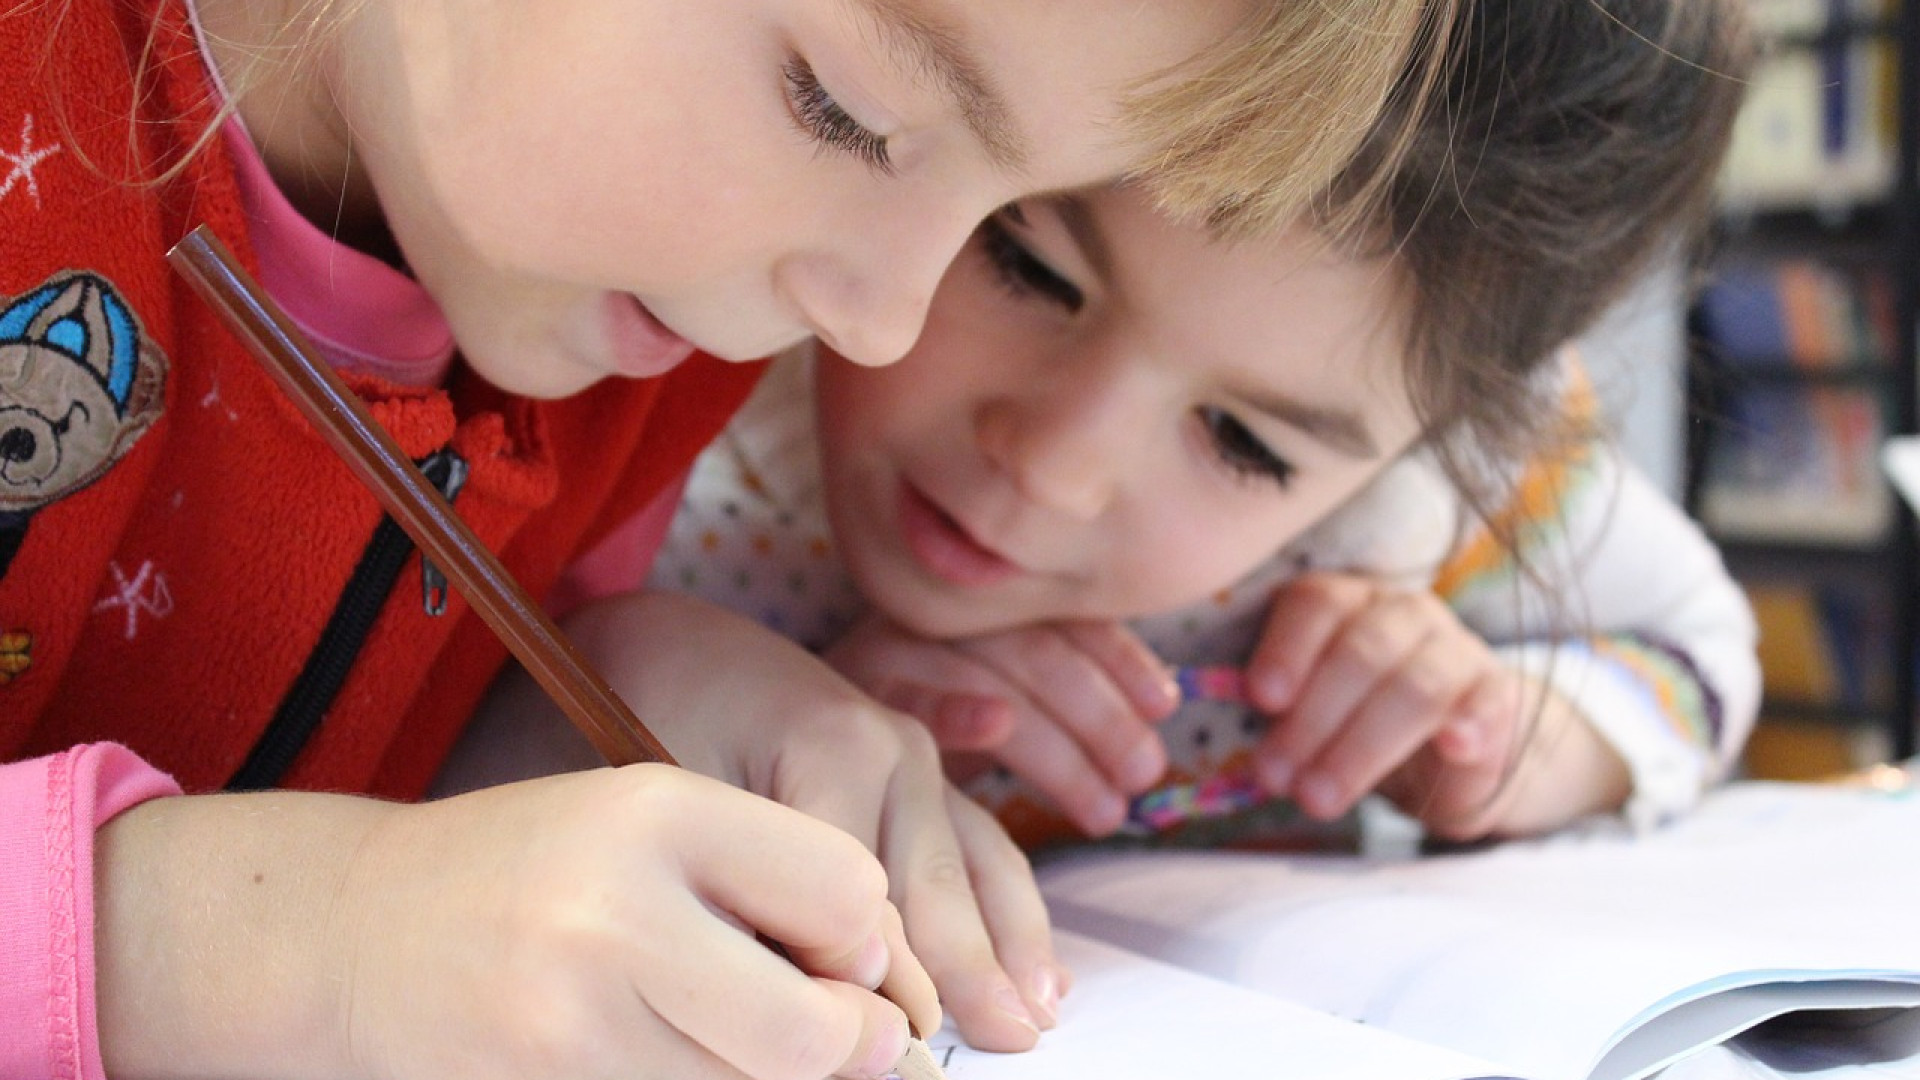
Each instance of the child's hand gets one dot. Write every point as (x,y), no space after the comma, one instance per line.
(1067,707)
(1526,762)
(593,924)
(1363,680)
(734,700)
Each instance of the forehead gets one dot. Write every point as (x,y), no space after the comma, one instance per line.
(1053,75)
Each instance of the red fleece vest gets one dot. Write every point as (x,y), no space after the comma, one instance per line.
(173,535)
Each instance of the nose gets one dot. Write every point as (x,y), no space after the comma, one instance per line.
(1069,441)
(866,293)
(18,444)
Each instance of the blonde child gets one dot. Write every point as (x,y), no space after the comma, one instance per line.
(1475,607)
(495,218)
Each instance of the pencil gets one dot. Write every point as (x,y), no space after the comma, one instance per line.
(404,492)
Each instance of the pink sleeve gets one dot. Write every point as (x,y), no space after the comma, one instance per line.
(49,809)
(619,563)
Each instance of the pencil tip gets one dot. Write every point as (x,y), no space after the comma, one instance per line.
(918,1063)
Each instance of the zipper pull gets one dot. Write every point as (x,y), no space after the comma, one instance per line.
(447,471)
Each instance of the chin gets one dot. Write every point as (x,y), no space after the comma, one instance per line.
(542,379)
(938,616)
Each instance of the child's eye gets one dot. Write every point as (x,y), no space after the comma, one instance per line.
(1241,450)
(822,118)
(1022,272)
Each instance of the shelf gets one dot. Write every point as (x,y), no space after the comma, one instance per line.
(1731,374)
(1840,716)
(1781,558)
(1805,359)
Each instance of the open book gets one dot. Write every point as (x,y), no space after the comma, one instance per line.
(1592,955)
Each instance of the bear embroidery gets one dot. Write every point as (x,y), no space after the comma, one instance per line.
(79,384)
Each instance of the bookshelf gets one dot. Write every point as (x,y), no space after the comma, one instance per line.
(1804,360)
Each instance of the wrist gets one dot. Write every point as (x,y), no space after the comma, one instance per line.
(219,935)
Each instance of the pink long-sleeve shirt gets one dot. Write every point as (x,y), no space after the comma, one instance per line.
(50,808)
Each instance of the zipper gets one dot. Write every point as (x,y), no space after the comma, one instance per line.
(314,690)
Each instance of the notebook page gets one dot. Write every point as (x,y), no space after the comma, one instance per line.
(1535,956)
(1131,1018)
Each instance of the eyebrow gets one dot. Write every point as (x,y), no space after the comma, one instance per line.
(1339,429)
(936,49)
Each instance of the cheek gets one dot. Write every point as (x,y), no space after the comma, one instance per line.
(1188,547)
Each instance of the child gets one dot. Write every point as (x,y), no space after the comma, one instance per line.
(1110,415)
(559,193)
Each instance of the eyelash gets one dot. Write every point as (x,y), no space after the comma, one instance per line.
(823,120)
(1023,272)
(1241,450)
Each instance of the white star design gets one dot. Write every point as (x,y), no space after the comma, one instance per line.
(147,591)
(25,161)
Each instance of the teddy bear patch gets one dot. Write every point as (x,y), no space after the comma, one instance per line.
(79,384)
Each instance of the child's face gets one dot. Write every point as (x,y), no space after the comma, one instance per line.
(1110,415)
(595,187)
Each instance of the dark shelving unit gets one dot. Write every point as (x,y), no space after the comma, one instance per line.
(1883,232)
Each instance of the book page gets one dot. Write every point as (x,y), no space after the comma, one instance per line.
(1537,956)
(1131,1018)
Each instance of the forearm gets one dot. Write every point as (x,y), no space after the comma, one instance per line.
(222,936)
(1565,770)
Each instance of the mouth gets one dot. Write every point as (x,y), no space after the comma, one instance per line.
(945,548)
(641,345)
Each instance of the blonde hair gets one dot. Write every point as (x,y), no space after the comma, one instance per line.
(1244,135)
(1255,136)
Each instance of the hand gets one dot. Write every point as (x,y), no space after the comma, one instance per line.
(1374,686)
(733,700)
(595,924)
(1067,707)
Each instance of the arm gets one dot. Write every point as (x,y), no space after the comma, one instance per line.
(561,927)
(1636,623)
(318,935)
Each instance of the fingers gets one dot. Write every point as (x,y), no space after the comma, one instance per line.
(1076,691)
(814,889)
(1454,786)
(1013,909)
(1046,757)
(1140,676)
(1383,671)
(963,721)
(934,882)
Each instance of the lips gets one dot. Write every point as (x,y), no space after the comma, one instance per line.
(642,346)
(944,548)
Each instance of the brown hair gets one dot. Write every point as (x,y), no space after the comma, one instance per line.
(1574,141)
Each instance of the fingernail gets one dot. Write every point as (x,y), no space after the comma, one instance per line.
(886,1052)
(871,966)
(1318,795)
(1143,765)
(1269,689)
(1046,997)
(1167,691)
(1007,999)
(1109,813)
